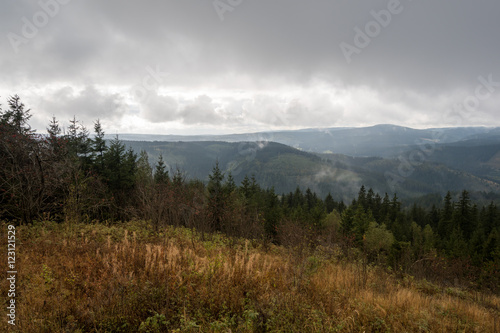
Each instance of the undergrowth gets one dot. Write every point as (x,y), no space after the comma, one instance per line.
(128,278)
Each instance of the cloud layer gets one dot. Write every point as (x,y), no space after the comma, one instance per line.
(174,66)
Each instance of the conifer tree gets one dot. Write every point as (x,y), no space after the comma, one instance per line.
(98,147)
(161,173)
(329,203)
(216,198)
(229,185)
(16,117)
(445,222)
(144,171)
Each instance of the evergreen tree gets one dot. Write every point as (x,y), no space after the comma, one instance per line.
(429,238)
(445,221)
(245,187)
(16,117)
(229,185)
(54,130)
(385,208)
(329,203)
(216,198)
(254,187)
(341,207)
(297,198)
(54,140)
(492,246)
(433,217)
(309,199)
(178,178)
(271,214)
(98,147)
(490,219)
(144,171)
(78,142)
(457,245)
(395,208)
(120,167)
(362,197)
(361,221)
(161,173)
(463,217)
(370,200)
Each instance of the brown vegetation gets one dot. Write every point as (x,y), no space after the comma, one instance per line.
(129,278)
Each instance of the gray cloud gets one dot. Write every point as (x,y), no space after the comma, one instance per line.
(87,106)
(425,60)
(157,108)
(200,111)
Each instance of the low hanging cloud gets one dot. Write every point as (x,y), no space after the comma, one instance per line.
(202,110)
(87,105)
(159,109)
(236,73)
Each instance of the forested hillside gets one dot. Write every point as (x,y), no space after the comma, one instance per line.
(374,141)
(285,168)
(76,178)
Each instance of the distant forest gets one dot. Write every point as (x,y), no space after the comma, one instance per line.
(75,177)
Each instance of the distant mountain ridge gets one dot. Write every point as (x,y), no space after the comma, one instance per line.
(379,140)
(284,168)
(388,158)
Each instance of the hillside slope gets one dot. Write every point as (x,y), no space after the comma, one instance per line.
(379,140)
(285,168)
(127,278)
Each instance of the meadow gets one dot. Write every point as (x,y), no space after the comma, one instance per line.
(127,277)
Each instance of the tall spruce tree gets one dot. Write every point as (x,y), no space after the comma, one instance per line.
(216,198)
(161,173)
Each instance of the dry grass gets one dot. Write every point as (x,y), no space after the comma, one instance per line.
(93,278)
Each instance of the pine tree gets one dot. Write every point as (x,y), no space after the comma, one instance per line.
(385,208)
(463,217)
(457,245)
(360,222)
(491,218)
(216,198)
(144,171)
(78,142)
(309,199)
(245,187)
(254,187)
(445,222)
(492,246)
(161,173)
(16,117)
(329,203)
(119,167)
(271,214)
(362,197)
(229,185)
(98,147)
(54,139)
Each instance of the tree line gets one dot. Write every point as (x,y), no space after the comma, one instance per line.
(74,177)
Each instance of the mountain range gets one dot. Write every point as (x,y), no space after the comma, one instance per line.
(388,158)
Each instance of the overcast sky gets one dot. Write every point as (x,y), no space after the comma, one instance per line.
(232,66)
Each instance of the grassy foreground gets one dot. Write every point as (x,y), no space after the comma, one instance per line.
(126,278)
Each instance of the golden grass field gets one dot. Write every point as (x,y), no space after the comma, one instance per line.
(127,278)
